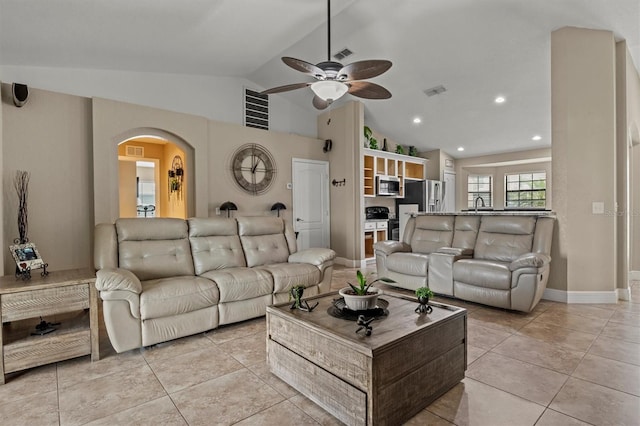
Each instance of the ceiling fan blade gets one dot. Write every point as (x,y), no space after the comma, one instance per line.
(285,88)
(319,103)
(368,90)
(304,66)
(362,70)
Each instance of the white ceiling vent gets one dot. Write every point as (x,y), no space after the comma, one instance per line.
(256,109)
(135,151)
(343,54)
(435,90)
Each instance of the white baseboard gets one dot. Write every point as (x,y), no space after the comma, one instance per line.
(580,296)
(555,295)
(624,293)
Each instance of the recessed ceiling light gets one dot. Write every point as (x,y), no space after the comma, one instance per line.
(536,138)
(500,99)
(417,120)
(460,148)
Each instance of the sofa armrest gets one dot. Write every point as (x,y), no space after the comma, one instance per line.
(389,247)
(456,251)
(530,260)
(111,279)
(313,256)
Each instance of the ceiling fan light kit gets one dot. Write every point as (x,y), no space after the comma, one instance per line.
(334,80)
(329,90)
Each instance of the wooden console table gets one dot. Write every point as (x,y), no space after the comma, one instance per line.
(68,297)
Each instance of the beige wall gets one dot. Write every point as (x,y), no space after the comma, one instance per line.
(438,163)
(50,137)
(583,149)
(3,185)
(70,146)
(225,138)
(127,173)
(344,126)
(629,154)
(114,122)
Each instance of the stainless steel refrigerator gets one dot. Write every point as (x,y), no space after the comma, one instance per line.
(427,194)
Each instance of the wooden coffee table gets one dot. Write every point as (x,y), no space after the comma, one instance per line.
(386,378)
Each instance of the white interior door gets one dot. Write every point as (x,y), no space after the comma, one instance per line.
(311,203)
(449,192)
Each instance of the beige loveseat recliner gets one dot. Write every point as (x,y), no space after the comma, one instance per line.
(500,261)
(161,279)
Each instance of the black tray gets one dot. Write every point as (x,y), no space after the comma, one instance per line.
(339,309)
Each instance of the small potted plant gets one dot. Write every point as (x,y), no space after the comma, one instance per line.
(362,296)
(295,294)
(424,294)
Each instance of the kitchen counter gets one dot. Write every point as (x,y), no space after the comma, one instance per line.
(538,213)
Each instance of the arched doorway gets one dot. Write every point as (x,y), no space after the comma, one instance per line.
(152,175)
(164,153)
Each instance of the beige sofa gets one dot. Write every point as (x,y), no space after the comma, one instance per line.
(161,279)
(501,261)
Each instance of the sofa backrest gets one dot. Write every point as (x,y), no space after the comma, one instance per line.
(426,234)
(466,231)
(215,244)
(265,240)
(154,248)
(543,235)
(504,238)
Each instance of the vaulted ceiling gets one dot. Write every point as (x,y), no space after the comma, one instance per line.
(476,49)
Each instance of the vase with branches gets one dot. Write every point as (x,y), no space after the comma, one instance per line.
(21,185)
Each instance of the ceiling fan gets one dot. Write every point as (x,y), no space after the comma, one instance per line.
(334,80)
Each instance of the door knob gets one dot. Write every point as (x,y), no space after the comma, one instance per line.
(299,220)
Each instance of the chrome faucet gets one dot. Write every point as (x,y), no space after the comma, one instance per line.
(475,203)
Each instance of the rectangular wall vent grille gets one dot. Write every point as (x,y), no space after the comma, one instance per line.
(135,151)
(343,54)
(256,109)
(435,90)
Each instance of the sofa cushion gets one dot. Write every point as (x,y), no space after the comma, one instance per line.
(241,283)
(504,238)
(215,244)
(483,273)
(263,240)
(154,248)
(408,263)
(287,275)
(466,231)
(177,295)
(431,233)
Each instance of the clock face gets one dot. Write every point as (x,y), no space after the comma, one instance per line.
(253,168)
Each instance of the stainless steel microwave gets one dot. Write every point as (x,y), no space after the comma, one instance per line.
(387,185)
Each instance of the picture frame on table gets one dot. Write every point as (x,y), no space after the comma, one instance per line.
(26,256)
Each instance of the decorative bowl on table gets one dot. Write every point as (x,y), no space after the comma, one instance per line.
(357,302)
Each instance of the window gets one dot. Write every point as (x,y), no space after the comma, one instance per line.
(526,190)
(479,186)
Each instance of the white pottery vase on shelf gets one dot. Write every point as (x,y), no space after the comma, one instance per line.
(360,303)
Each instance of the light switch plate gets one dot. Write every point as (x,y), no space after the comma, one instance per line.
(597,207)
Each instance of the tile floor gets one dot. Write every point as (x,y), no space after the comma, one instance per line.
(559,365)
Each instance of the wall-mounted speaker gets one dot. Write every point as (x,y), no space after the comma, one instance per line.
(20,94)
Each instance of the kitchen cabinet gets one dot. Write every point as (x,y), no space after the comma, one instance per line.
(374,231)
(382,163)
